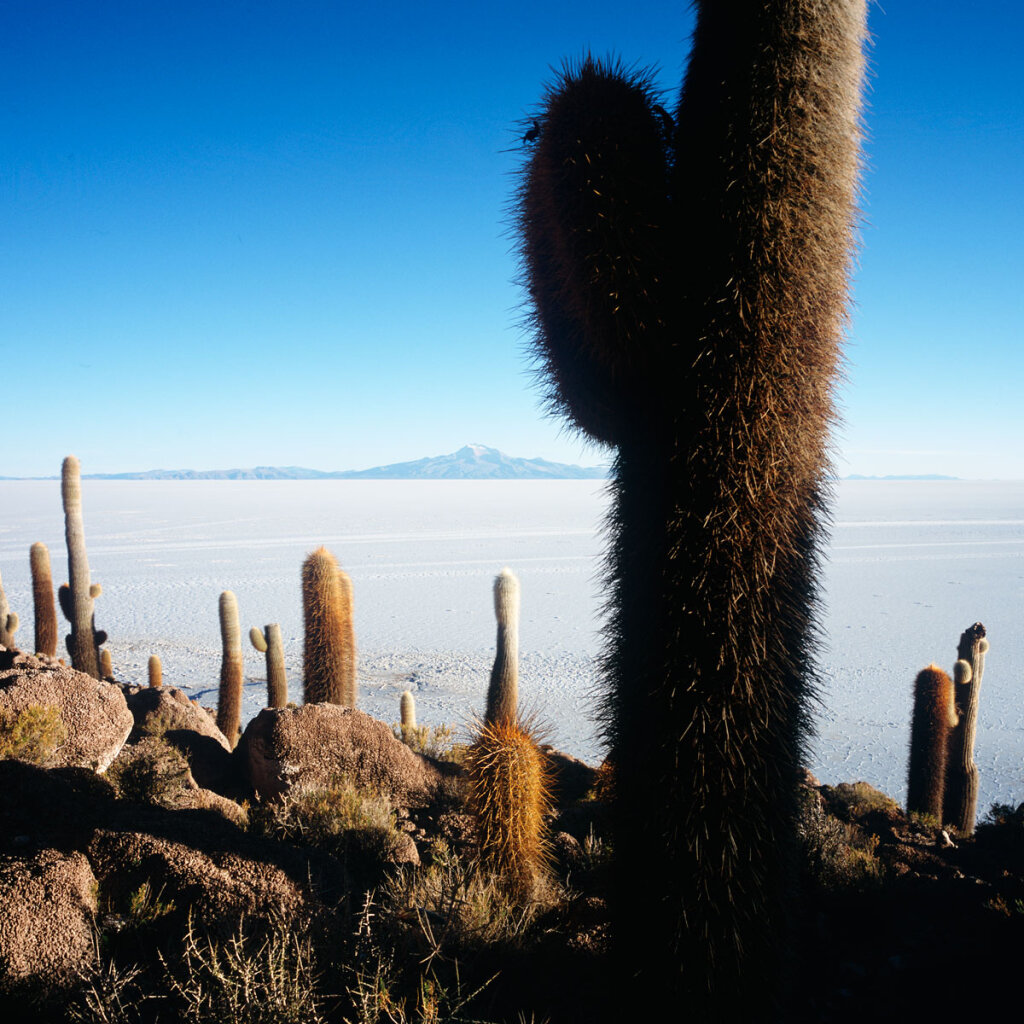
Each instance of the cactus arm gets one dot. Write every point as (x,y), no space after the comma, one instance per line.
(229,702)
(350,685)
(257,639)
(82,644)
(42,600)
(6,618)
(593,211)
(503,691)
(277,678)
(961,802)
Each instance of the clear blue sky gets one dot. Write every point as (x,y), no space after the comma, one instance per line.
(266,233)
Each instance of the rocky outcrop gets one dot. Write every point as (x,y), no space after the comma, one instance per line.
(95,715)
(314,745)
(47,906)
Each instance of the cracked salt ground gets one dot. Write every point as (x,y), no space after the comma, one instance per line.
(910,565)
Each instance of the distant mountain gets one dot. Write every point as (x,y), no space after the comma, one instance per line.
(471,462)
(922,476)
(476,462)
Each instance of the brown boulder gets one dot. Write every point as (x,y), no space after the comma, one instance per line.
(94,713)
(169,714)
(316,744)
(47,905)
(219,885)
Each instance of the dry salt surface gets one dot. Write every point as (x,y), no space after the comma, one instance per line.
(910,564)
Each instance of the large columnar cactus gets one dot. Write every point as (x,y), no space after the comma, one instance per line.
(8,620)
(229,701)
(329,657)
(42,600)
(688,277)
(961,802)
(509,792)
(269,642)
(76,598)
(503,692)
(933,716)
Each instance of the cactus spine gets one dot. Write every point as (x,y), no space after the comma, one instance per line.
(503,692)
(268,641)
(934,715)
(229,702)
(156,672)
(688,281)
(509,792)
(42,600)
(83,641)
(961,800)
(329,660)
(8,620)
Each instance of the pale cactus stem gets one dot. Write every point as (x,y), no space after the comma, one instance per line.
(229,703)
(961,801)
(268,642)
(503,692)
(156,672)
(82,641)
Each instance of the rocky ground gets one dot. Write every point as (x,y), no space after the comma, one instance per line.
(143,862)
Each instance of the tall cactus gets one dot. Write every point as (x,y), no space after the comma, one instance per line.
(77,598)
(229,701)
(42,600)
(329,658)
(268,641)
(688,277)
(933,716)
(8,620)
(503,692)
(961,802)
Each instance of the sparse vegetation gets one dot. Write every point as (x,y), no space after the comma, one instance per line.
(150,772)
(32,734)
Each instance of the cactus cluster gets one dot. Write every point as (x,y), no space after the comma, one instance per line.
(688,275)
(942,778)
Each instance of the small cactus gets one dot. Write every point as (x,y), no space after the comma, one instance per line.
(8,620)
(42,600)
(408,711)
(83,641)
(329,655)
(961,800)
(229,702)
(268,641)
(509,792)
(106,664)
(156,672)
(503,692)
(934,715)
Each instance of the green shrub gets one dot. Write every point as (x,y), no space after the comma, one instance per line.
(32,734)
(837,854)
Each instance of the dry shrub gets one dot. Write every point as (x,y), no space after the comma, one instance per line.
(150,772)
